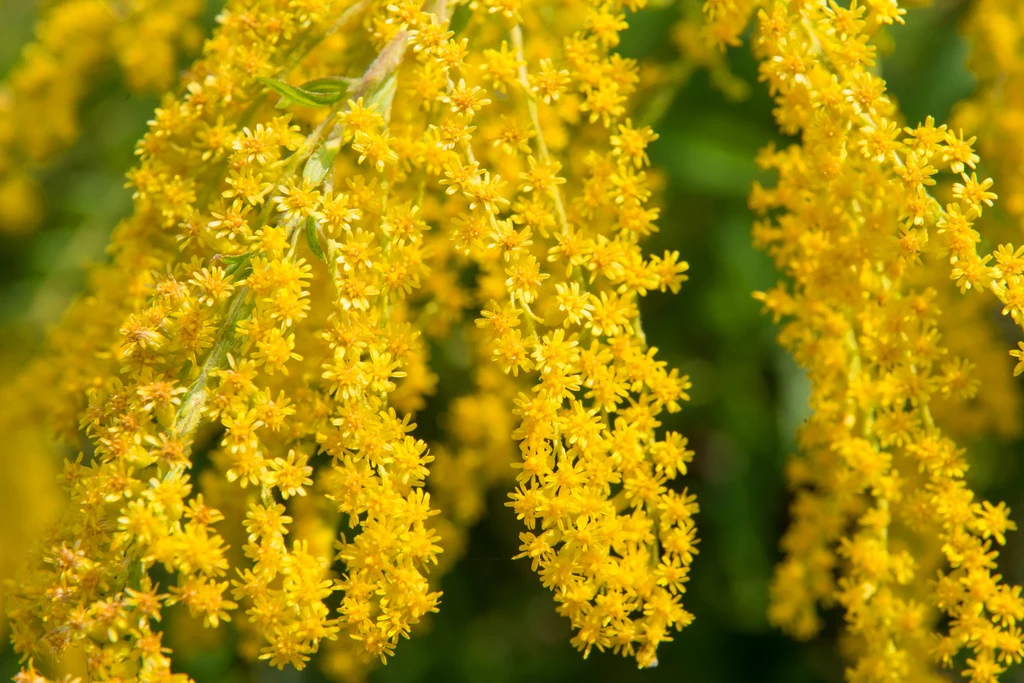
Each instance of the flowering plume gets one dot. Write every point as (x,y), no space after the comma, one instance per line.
(248,364)
(883,521)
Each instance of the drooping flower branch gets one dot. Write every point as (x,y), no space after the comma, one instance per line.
(248,364)
(881,505)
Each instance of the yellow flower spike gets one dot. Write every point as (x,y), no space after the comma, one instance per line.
(244,371)
(881,504)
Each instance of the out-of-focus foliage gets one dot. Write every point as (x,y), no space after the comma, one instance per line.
(74,42)
(497,623)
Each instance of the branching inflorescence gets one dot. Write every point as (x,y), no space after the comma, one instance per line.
(883,522)
(339,183)
(247,367)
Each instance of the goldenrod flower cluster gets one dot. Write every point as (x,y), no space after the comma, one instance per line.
(239,382)
(74,43)
(883,522)
(699,47)
(994,28)
(337,185)
(994,115)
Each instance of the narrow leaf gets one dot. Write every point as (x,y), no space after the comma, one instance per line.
(327,85)
(313,240)
(460,18)
(299,96)
(319,164)
(384,94)
(236,265)
(136,570)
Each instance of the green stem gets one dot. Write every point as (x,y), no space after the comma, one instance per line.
(194,402)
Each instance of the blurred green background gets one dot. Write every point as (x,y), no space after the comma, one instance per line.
(497,623)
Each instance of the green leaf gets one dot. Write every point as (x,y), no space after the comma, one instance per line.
(328,86)
(319,164)
(136,570)
(384,94)
(186,369)
(305,98)
(313,240)
(236,265)
(460,19)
